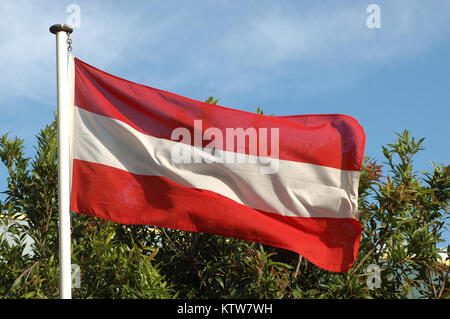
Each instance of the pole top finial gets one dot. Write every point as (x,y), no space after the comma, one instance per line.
(61,27)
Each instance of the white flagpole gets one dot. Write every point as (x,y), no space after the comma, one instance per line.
(65,277)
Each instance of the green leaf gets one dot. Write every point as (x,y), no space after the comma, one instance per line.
(220,281)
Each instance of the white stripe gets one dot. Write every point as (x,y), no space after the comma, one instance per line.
(297,189)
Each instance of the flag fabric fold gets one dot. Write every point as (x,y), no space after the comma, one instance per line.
(145,156)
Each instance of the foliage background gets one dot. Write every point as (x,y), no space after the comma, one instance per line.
(403,214)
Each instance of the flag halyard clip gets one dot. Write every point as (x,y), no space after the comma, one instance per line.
(69,43)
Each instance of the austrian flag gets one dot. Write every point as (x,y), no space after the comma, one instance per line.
(144,156)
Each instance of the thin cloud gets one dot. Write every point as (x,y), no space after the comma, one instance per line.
(222,47)
(337,33)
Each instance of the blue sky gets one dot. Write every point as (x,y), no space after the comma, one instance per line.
(289,57)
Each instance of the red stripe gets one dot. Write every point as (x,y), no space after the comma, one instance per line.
(328,140)
(114,194)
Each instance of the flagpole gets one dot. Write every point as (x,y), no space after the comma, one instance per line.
(65,279)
